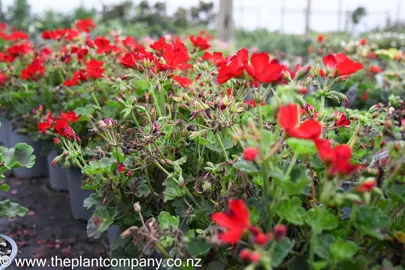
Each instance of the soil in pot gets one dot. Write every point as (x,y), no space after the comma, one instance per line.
(8,251)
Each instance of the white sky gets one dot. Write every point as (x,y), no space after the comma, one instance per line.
(266,13)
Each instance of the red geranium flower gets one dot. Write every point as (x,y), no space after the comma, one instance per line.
(63,129)
(43,127)
(338,157)
(320,38)
(3,78)
(95,68)
(262,69)
(250,153)
(176,56)
(235,221)
(103,45)
(375,69)
(160,45)
(85,25)
(184,82)
(288,118)
(342,64)
(342,120)
(129,60)
(216,58)
(71,116)
(121,167)
(367,186)
(363,41)
(200,43)
(234,68)
(34,70)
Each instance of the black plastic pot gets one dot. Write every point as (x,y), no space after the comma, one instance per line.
(113,232)
(78,195)
(5,130)
(57,175)
(40,168)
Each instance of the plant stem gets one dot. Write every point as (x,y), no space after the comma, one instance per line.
(292,163)
(135,120)
(222,146)
(96,101)
(162,249)
(159,113)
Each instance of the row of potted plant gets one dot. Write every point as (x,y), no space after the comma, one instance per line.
(241,160)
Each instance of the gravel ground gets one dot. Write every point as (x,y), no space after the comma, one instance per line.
(48,229)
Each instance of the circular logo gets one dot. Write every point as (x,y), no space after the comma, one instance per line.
(5,261)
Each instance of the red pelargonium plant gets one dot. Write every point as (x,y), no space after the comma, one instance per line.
(246,160)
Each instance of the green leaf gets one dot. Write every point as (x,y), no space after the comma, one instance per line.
(281,251)
(198,247)
(172,190)
(138,187)
(371,220)
(343,250)
(302,147)
(246,166)
(91,201)
(291,187)
(397,192)
(216,146)
(321,219)
(321,245)
(19,156)
(10,209)
(291,210)
(107,216)
(166,221)
(4,187)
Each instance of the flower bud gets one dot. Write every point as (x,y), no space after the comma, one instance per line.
(244,254)
(254,257)
(137,207)
(279,232)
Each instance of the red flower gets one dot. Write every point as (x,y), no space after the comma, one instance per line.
(80,75)
(45,53)
(235,221)
(34,70)
(338,157)
(94,68)
(364,96)
(262,69)
(184,82)
(363,41)
(160,45)
(121,167)
(244,254)
(200,43)
(279,232)
(367,186)
(56,141)
(176,56)
(216,58)
(3,78)
(288,118)
(342,120)
(343,64)
(103,45)
(43,127)
(250,153)
(85,25)
(71,117)
(234,68)
(129,60)
(262,238)
(320,38)
(375,69)
(63,129)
